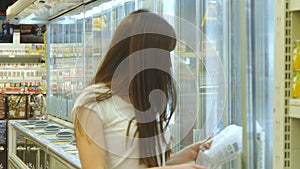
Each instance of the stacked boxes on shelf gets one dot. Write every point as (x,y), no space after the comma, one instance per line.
(296,68)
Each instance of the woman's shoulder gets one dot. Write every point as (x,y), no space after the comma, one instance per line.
(87,98)
(91,91)
(95,88)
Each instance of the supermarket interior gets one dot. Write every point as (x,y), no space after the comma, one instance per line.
(236,64)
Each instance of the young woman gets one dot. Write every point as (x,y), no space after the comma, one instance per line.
(121,119)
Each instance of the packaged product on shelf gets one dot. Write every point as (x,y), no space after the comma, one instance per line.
(296,85)
(38,105)
(17,105)
(296,56)
(2,104)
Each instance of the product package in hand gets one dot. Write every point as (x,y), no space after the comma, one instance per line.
(222,148)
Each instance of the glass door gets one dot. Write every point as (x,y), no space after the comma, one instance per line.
(66,63)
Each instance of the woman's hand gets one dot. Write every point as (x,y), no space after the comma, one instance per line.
(189,153)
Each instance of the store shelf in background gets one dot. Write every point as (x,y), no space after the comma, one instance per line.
(294,108)
(2,106)
(294,5)
(295,156)
(295,146)
(21,58)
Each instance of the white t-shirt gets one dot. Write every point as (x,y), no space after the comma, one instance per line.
(121,151)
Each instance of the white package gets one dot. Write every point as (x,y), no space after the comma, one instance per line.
(224,147)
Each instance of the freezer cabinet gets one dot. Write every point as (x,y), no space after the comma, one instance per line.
(30,147)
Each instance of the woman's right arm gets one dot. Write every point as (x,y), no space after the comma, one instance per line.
(91,154)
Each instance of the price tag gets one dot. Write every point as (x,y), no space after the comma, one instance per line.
(22,114)
(12,113)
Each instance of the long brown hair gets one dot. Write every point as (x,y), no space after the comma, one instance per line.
(138,31)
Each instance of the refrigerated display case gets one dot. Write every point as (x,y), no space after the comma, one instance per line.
(95,24)
(224,71)
(66,64)
(41,144)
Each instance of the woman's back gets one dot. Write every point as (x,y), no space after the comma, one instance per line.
(114,115)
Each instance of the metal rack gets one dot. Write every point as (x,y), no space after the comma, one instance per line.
(286,114)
